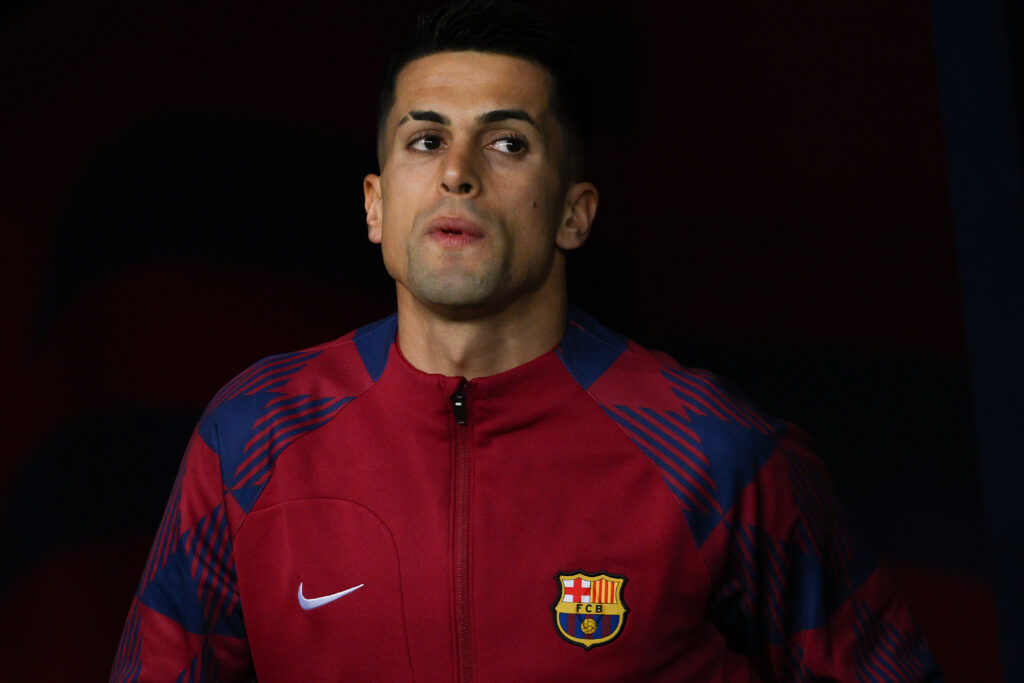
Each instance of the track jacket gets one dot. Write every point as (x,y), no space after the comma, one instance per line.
(599,513)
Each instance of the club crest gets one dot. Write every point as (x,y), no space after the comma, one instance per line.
(589,610)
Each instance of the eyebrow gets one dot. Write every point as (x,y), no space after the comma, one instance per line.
(488,117)
(416,115)
(505,114)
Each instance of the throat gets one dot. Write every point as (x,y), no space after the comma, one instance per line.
(478,346)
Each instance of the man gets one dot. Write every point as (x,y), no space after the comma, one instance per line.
(491,485)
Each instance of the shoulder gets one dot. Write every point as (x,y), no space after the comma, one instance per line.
(344,366)
(281,398)
(707,440)
(618,372)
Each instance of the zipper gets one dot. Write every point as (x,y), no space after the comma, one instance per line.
(459,404)
(463,457)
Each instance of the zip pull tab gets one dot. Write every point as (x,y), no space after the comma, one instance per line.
(459,403)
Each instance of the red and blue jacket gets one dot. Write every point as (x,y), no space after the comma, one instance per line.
(600,513)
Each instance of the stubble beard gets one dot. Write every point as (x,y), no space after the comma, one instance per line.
(455,285)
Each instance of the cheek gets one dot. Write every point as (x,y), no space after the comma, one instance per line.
(394,259)
(539,227)
(546,211)
(393,242)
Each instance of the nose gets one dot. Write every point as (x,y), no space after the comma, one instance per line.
(459,173)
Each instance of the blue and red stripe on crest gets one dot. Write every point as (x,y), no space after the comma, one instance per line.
(572,624)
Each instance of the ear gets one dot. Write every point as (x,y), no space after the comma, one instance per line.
(580,209)
(374,210)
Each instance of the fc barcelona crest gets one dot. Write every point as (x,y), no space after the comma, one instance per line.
(590,610)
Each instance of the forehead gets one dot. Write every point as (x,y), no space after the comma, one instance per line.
(473,82)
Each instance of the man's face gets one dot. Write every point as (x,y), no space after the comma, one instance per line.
(471,204)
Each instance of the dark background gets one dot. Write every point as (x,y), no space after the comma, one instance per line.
(180,195)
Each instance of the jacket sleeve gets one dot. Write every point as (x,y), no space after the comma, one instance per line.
(800,594)
(185,621)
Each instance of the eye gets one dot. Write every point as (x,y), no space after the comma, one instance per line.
(427,142)
(509,144)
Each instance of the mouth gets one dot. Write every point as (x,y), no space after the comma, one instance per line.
(454,230)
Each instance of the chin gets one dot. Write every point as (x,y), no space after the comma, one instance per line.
(456,290)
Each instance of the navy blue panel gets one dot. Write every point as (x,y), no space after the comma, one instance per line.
(174,592)
(374,343)
(783,587)
(735,454)
(807,605)
(880,644)
(228,428)
(701,523)
(589,348)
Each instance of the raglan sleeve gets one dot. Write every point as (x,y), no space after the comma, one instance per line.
(799,593)
(185,620)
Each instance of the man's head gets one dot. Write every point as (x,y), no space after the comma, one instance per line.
(474,208)
(504,28)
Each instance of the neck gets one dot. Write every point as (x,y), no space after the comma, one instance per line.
(477,346)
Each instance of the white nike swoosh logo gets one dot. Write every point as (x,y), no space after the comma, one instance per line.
(313,603)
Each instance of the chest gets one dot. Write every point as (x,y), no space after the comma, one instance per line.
(523,544)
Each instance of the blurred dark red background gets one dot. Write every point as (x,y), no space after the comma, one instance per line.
(181,196)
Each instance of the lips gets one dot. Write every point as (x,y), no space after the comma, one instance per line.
(454,230)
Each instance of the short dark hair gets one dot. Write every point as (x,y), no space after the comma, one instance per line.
(499,27)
